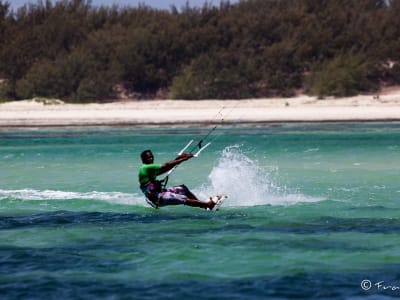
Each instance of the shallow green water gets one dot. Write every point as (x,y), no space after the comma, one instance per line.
(313,210)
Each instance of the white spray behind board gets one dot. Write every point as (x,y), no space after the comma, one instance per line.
(246,183)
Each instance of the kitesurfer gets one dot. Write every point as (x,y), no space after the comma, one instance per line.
(157,195)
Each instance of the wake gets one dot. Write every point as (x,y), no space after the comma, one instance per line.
(41,195)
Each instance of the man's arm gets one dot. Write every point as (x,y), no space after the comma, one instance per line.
(180,159)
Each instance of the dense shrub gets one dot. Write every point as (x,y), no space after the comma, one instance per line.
(255,48)
(344,75)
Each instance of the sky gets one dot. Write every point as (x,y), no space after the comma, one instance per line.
(159,4)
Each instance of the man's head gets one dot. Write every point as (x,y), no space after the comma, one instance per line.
(147,157)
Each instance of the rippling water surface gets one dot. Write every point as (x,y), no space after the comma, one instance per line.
(313,213)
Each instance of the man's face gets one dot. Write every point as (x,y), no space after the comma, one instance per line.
(148,158)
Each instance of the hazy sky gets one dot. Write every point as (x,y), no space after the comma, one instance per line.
(161,4)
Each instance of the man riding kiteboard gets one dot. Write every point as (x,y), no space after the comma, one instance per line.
(157,195)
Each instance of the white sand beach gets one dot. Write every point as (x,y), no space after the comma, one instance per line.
(33,113)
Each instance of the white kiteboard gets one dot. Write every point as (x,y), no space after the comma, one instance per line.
(218,200)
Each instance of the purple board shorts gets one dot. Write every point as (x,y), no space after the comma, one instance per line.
(169,196)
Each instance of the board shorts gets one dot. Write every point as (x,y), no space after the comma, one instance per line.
(173,195)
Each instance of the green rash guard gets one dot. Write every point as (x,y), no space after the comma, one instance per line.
(148,173)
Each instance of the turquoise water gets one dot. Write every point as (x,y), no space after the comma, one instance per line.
(313,211)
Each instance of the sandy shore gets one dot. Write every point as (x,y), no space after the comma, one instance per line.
(167,112)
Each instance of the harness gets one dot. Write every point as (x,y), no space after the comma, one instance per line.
(153,187)
(151,203)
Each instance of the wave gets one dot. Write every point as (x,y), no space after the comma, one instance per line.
(111,197)
(247,184)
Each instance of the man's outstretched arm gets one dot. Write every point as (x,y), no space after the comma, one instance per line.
(180,159)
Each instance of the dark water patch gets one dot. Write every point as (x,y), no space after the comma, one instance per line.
(373,208)
(74,257)
(323,225)
(297,286)
(305,244)
(319,225)
(49,219)
(217,223)
(361,225)
(335,225)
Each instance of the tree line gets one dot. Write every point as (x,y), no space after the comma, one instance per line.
(74,51)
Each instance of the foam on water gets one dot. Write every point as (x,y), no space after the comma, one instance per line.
(247,184)
(111,197)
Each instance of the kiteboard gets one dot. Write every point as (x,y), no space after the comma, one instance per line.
(218,200)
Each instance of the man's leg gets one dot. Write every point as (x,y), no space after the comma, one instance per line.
(178,195)
(182,190)
(201,204)
(210,204)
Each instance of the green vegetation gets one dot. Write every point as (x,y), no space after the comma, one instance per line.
(256,48)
